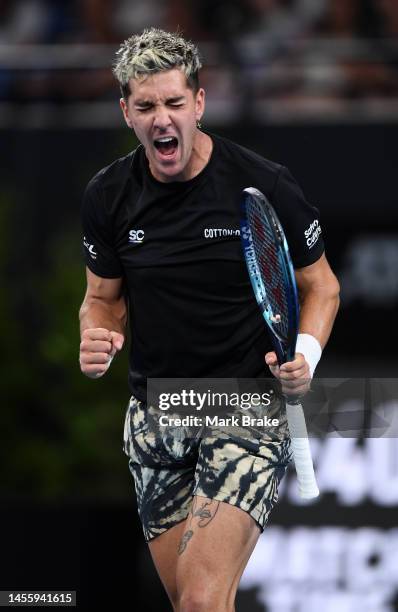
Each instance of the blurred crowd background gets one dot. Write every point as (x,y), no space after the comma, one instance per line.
(312,84)
(278,59)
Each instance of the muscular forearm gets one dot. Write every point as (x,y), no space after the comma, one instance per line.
(318,312)
(103,317)
(318,291)
(99,314)
(102,331)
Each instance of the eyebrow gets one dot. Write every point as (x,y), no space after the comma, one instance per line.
(172,100)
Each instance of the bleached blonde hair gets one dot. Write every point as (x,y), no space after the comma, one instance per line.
(152,51)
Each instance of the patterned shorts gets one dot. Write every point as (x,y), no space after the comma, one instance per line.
(168,471)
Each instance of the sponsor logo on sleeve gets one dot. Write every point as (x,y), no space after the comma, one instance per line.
(312,233)
(90,248)
(136,236)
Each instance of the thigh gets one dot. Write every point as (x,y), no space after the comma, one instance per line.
(164,550)
(202,558)
(214,548)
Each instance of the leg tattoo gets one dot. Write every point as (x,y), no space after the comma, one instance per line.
(205,513)
(184,541)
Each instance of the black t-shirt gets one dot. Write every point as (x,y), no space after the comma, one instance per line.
(177,245)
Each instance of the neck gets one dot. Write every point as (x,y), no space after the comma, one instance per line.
(201,152)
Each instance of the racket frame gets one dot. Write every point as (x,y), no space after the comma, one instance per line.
(284,349)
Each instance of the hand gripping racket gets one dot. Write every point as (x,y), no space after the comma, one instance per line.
(272,276)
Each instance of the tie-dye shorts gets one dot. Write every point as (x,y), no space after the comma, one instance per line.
(168,471)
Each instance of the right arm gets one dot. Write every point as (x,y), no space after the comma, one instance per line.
(103,317)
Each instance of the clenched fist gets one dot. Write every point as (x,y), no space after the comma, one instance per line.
(97,348)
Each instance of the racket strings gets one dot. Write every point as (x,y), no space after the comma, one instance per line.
(271,281)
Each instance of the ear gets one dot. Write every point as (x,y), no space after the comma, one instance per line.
(125,111)
(199,104)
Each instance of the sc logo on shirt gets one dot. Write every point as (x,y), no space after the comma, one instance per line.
(136,236)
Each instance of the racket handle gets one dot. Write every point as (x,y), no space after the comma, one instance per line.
(308,487)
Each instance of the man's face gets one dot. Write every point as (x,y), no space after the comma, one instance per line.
(163,112)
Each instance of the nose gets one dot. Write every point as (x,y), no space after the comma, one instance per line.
(162,118)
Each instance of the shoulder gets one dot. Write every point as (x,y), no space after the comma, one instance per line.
(112,178)
(246,159)
(107,189)
(104,193)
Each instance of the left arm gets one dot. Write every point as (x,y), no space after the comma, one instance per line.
(318,290)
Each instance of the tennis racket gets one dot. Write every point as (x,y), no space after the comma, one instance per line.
(272,277)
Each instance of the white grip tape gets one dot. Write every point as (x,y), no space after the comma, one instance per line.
(308,487)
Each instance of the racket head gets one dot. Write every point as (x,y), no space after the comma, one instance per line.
(270,270)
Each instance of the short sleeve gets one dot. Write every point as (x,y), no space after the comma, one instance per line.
(98,247)
(299,219)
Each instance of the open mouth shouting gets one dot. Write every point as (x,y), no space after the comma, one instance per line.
(166,148)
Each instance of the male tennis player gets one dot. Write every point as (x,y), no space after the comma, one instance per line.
(162,244)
